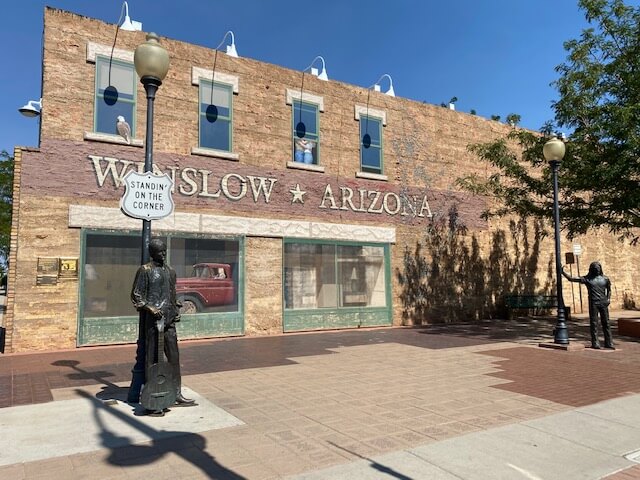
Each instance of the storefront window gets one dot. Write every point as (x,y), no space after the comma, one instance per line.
(362,276)
(330,276)
(206,269)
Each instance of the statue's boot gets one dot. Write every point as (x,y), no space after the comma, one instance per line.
(182,401)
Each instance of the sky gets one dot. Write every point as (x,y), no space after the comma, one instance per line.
(496,56)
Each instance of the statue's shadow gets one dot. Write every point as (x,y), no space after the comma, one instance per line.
(191,447)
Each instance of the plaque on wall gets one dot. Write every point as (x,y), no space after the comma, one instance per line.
(68,268)
(48,268)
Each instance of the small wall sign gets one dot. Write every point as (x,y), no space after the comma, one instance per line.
(47,273)
(68,268)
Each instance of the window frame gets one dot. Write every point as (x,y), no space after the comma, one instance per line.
(230,90)
(336,269)
(99,58)
(199,325)
(366,120)
(371,112)
(302,102)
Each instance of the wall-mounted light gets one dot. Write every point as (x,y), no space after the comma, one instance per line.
(231,49)
(31,109)
(128,24)
(390,92)
(314,71)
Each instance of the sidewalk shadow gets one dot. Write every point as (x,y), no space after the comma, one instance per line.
(523,329)
(110,391)
(375,465)
(189,446)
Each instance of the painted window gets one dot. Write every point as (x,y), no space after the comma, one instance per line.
(207,273)
(305,132)
(115,95)
(370,144)
(330,275)
(215,115)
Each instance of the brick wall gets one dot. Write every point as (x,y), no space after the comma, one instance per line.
(424,148)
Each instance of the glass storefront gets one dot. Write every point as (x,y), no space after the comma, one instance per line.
(326,284)
(208,284)
(333,285)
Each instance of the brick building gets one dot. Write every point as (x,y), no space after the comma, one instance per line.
(314,236)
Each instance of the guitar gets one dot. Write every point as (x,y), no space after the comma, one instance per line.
(160,389)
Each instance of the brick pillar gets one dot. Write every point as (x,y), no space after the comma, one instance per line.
(13,252)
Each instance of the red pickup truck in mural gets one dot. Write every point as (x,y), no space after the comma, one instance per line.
(210,285)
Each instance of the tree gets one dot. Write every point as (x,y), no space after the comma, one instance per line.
(513,119)
(599,103)
(6,206)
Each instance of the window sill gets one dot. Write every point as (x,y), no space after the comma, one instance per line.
(306,166)
(210,152)
(372,176)
(108,138)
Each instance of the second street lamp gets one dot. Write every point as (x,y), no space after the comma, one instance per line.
(553,152)
(152,64)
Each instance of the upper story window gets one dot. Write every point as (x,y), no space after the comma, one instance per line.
(216,113)
(305,128)
(115,95)
(306,144)
(370,144)
(115,92)
(371,157)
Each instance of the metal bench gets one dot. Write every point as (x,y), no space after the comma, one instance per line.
(531,302)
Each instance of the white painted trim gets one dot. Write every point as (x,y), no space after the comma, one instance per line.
(372,176)
(198,72)
(89,216)
(306,166)
(372,112)
(108,138)
(305,97)
(211,152)
(94,49)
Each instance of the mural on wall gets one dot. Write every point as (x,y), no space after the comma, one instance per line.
(90,171)
(244,188)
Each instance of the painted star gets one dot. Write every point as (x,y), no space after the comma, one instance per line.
(298,195)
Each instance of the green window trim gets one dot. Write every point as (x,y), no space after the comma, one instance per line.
(298,107)
(352,315)
(123,329)
(337,244)
(99,95)
(202,115)
(371,126)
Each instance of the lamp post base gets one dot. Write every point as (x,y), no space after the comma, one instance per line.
(560,333)
(569,347)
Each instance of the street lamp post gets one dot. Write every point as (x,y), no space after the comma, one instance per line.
(553,152)
(152,64)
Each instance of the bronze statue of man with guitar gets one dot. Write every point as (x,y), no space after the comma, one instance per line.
(154,294)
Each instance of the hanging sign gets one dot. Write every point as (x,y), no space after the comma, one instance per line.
(147,196)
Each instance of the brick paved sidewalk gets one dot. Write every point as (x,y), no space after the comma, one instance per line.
(320,399)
